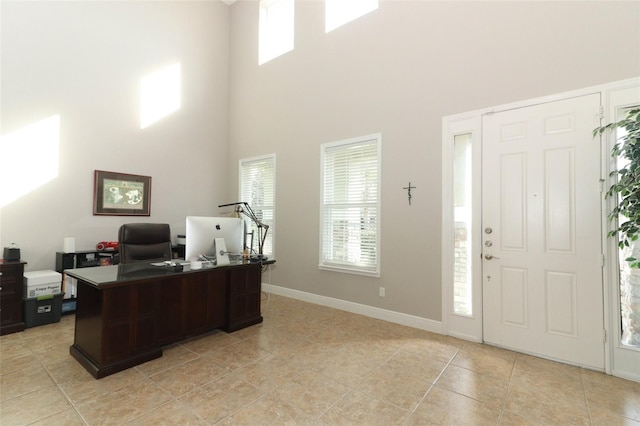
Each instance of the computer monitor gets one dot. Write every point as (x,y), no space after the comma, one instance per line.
(202,231)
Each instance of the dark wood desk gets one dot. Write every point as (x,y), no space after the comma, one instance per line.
(126,313)
(11,303)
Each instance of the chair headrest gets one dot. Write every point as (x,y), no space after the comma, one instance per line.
(144,233)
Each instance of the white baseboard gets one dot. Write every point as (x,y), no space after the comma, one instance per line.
(357,308)
(464,336)
(626,375)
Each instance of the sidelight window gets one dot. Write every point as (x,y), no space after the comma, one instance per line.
(629,277)
(462,186)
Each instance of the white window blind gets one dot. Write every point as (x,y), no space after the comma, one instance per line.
(350,208)
(258,188)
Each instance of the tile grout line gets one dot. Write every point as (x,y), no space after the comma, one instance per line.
(351,389)
(584,394)
(506,392)
(433,384)
(71,402)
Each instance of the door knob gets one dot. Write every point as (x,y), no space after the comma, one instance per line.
(490,257)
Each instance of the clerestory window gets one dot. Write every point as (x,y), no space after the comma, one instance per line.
(276,29)
(339,12)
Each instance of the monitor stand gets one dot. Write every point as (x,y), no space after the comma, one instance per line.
(220,249)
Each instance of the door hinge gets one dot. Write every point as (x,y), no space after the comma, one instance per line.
(601,112)
(604,336)
(601,185)
(603,260)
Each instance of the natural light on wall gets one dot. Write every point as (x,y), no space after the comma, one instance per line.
(276,29)
(29,158)
(339,12)
(159,95)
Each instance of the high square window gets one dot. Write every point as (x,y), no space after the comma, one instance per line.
(160,95)
(276,29)
(339,12)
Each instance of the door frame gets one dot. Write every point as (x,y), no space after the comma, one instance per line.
(470,327)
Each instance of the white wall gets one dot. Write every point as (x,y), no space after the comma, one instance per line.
(84,61)
(398,71)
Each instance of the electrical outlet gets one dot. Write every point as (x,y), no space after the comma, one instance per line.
(382,292)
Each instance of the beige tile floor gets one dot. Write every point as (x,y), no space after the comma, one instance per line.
(307,365)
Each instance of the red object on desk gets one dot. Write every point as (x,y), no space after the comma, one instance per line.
(107,245)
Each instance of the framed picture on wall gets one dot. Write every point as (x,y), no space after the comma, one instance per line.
(121,194)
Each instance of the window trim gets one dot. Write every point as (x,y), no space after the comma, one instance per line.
(352,269)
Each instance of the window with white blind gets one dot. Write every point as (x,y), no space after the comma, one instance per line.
(276,29)
(350,205)
(258,188)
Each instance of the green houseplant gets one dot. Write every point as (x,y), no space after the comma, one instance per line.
(626,213)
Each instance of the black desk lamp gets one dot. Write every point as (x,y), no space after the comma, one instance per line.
(245,208)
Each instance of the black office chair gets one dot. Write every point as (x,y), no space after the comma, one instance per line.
(144,241)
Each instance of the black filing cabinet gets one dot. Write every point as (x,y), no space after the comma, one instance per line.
(11,288)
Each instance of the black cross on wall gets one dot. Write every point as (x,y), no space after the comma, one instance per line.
(409,188)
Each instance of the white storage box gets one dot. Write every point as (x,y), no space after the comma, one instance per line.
(41,283)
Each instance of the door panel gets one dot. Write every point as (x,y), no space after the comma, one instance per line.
(560,201)
(514,297)
(513,202)
(542,286)
(561,304)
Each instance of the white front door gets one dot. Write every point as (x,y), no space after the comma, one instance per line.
(541,231)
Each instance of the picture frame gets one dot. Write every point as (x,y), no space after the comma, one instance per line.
(121,194)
